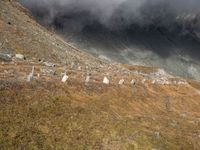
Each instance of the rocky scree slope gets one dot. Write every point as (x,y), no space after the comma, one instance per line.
(158,112)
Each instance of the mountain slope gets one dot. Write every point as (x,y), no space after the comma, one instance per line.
(159,111)
(150,46)
(21,34)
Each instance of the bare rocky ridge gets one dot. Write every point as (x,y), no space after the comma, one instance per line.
(20,34)
(140,108)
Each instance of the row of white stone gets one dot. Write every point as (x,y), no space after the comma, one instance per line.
(87,80)
(30,77)
(133,82)
(106,80)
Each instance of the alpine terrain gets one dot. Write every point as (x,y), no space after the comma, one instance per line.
(55,95)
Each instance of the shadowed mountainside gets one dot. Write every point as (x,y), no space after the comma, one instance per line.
(48,114)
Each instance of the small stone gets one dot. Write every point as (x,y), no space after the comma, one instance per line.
(87,79)
(173,125)
(106,81)
(133,82)
(72,65)
(50,72)
(48,64)
(65,78)
(121,82)
(20,56)
(183,114)
(143,81)
(6,71)
(157,135)
(153,82)
(30,77)
(79,68)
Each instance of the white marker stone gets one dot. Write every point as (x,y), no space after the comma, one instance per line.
(65,78)
(30,76)
(72,65)
(87,79)
(19,56)
(167,82)
(121,82)
(143,81)
(38,75)
(133,82)
(79,68)
(106,81)
(153,82)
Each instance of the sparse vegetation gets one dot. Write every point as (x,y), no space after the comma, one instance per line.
(45,115)
(48,114)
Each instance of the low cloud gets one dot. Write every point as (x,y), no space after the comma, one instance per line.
(118,14)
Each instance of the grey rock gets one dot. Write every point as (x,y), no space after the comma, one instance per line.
(5,57)
(48,71)
(30,78)
(48,64)
(157,135)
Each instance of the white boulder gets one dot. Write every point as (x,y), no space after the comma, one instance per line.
(20,56)
(65,78)
(105,80)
